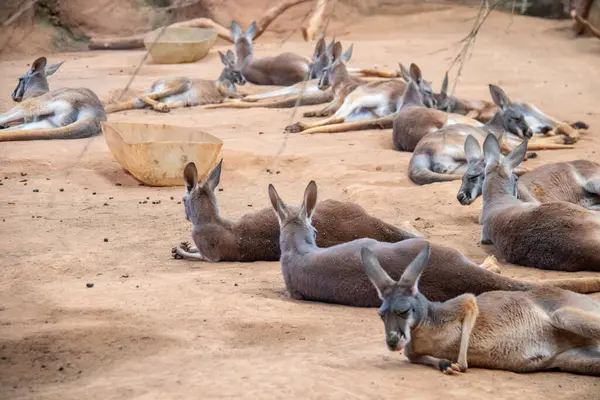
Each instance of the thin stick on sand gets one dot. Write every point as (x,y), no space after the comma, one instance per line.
(585,23)
(312,28)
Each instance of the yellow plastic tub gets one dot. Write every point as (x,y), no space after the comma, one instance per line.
(156,154)
(179,45)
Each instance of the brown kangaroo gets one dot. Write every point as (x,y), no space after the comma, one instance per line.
(575,181)
(255,236)
(536,330)
(335,274)
(283,69)
(67,113)
(166,94)
(556,235)
(357,100)
(440,156)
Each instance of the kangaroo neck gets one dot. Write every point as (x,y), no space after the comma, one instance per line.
(243,53)
(297,238)
(498,191)
(38,89)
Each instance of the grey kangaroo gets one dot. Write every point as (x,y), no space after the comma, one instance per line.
(575,181)
(335,275)
(536,330)
(66,113)
(556,235)
(255,236)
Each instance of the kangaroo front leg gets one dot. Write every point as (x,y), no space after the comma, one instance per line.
(326,111)
(156,105)
(470,310)
(184,250)
(15,114)
(446,366)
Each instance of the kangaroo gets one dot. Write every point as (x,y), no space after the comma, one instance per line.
(335,275)
(255,236)
(42,114)
(575,181)
(166,94)
(282,70)
(484,111)
(357,100)
(303,93)
(536,330)
(556,235)
(440,156)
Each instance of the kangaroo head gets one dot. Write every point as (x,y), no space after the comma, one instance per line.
(321,58)
(230,72)
(509,116)
(425,91)
(444,101)
(243,41)
(34,82)
(403,306)
(472,181)
(502,169)
(296,225)
(200,201)
(336,70)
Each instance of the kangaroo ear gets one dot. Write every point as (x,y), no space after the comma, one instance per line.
(235,29)
(412,95)
(472,149)
(348,54)
(215,177)
(310,201)
(320,48)
(230,56)
(39,65)
(412,273)
(190,176)
(337,51)
(330,46)
(516,157)
(444,91)
(491,149)
(404,72)
(251,31)
(224,59)
(499,97)
(415,73)
(278,205)
(377,275)
(52,68)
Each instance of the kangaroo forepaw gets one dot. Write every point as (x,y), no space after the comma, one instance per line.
(490,264)
(580,125)
(161,107)
(450,368)
(295,128)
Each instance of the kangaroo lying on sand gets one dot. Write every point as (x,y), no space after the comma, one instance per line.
(440,155)
(575,181)
(357,100)
(166,94)
(484,111)
(556,235)
(536,330)
(50,114)
(255,237)
(335,274)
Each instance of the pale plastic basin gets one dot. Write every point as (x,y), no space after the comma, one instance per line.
(156,154)
(180,45)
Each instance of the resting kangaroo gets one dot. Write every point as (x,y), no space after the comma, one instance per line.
(169,93)
(335,275)
(440,156)
(484,111)
(575,181)
(356,100)
(556,235)
(283,69)
(67,113)
(536,330)
(255,237)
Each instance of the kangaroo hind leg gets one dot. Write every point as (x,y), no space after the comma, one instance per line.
(579,322)
(583,360)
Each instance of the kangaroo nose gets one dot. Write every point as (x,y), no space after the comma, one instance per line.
(462,199)
(392,341)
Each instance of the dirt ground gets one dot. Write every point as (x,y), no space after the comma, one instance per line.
(154,327)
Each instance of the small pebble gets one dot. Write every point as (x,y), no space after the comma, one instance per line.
(249,205)
(36,190)
(47,179)
(260,133)
(61,190)
(94,193)
(144,202)
(105,204)
(105,240)
(125,276)
(172,198)
(23,173)
(23,180)
(117,184)
(6,177)
(110,198)
(61,368)
(178,202)
(268,170)
(33,216)
(147,198)
(220,189)
(89,285)
(277,172)
(24,184)
(235,284)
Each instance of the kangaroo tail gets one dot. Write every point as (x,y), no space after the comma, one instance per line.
(79,129)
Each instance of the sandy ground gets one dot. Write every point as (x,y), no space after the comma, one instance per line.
(155,327)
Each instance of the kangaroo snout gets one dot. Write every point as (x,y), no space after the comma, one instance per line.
(393,342)
(463,199)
